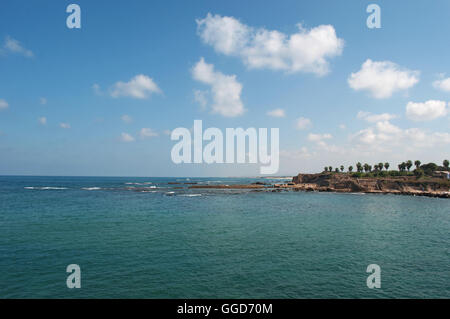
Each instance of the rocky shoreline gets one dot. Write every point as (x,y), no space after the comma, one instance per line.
(345,183)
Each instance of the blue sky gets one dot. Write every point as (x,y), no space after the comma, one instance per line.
(69,106)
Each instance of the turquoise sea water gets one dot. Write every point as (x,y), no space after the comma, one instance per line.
(145,238)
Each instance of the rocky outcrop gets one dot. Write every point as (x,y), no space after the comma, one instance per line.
(407,185)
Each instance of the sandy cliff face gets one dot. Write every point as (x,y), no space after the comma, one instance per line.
(345,183)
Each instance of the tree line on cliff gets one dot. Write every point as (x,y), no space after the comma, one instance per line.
(382,169)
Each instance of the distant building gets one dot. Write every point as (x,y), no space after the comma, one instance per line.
(443,174)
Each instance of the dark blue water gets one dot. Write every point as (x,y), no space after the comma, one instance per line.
(145,238)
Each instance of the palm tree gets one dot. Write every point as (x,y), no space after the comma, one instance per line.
(380,166)
(386,165)
(417,163)
(409,165)
(325,169)
(350,169)
(330,168)
(342,168)
(446,164)
(366,167)
(359,167)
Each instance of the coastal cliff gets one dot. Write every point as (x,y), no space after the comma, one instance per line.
(405,185)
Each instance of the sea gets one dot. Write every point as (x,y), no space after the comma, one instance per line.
(157,238)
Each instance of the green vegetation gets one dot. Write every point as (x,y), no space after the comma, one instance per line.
(382,170)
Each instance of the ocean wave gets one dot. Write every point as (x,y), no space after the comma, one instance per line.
(191,195)
(45,188)
(91,188)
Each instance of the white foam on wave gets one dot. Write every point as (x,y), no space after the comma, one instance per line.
(145,183)
(46,188)
(191,195)
(91,188)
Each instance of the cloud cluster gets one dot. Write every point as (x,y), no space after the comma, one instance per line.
(3,104)
(126,119)
(147,133)
(302,153)
(426,111)
(127,138)
(224,89)
(12,46)
(277,113)
(201,97)
(259,48)
(303,123)
(64,125)
(321,142)
(144,133)
(42,120)
(386,137)
(319,137)
(443,84)
(372,118)
(139,87)
(382,78)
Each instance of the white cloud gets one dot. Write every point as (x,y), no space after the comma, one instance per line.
(381,142)
(387,138)
(387,128)
(126,118)
(302,153)
(303,123)
(64,125)
(125,137)
(426,111)
(443,84)
(97,89)
(320,141)
(382,79)
(147,132)
(225,89)
(139,87)
(372,118)
(259,48)
(167,132)
(319,137)
(277,113)
(201,98)
(43,100)
(13,46)
(342,126)
(42,120)
(3,104)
